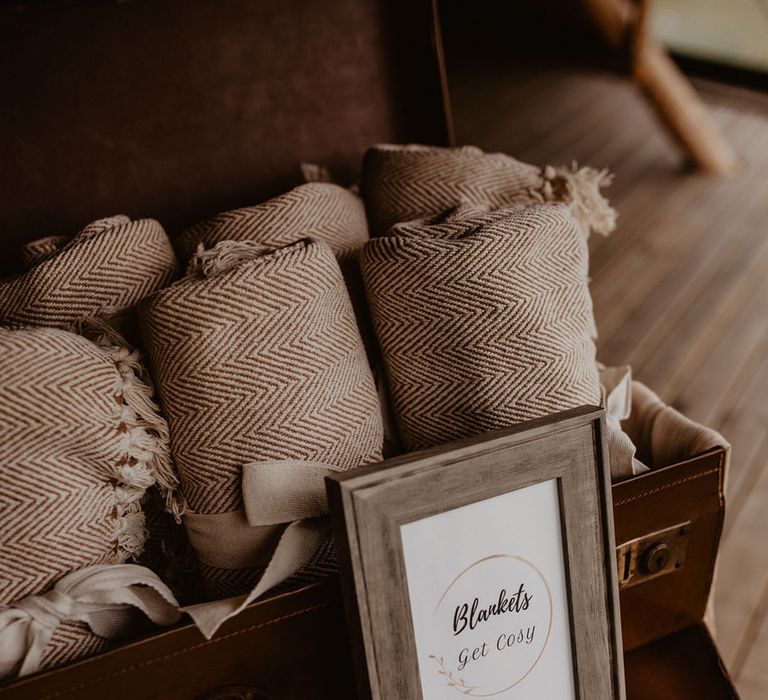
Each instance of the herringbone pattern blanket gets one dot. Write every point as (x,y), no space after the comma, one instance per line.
(71,642)
(80,442)
(319,210)
(105,269)
(402,183)
(484,320)
(256,356)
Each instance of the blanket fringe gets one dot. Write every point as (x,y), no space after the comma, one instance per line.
(147,459)
(224,256)
(580,188)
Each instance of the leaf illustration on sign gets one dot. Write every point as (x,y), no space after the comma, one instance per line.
(452,682)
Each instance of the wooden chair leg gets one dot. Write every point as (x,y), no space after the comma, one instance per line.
(624,26)
(682,109)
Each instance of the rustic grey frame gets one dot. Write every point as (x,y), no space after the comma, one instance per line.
(371,503)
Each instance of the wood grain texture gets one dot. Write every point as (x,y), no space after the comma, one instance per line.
(681,287)
(371,504)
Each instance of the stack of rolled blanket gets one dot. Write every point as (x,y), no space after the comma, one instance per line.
(274,358)
(82,444)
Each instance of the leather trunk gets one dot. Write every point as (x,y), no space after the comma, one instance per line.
(178,109)
(669,653)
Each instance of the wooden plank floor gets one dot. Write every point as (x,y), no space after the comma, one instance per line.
(680,289)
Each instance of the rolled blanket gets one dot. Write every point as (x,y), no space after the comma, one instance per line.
(257,358)
(402,183)
(484,320)
(36,251)
(319,210)
(105,269)
(80,443)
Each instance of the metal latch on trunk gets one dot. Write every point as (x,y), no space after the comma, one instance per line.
(652,555)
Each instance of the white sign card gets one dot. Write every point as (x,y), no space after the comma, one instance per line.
(488,598)
(485,568)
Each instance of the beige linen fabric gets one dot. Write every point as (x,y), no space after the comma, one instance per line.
(484,320)
(105,269)
(79,616)
(662,434)
(256,356)
(80,443)
(616,384)
(401,183)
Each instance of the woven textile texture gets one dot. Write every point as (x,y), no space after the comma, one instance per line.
(402,183)
(257,357)
(484,320)
(71,642)
(80,443)
(319,210)
(105,269)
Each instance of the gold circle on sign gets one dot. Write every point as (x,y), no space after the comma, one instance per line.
(549,627)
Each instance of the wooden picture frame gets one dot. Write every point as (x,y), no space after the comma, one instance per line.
(383,513)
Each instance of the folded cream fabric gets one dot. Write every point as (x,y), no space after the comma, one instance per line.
(82,614)
(401,183)
(484,319)
(662,434)
(616,384)
(104,270)
(257,357)
(80,443)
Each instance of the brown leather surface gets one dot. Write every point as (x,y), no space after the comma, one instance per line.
(691,490)
(292,647)
(682,666)
(179,109)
